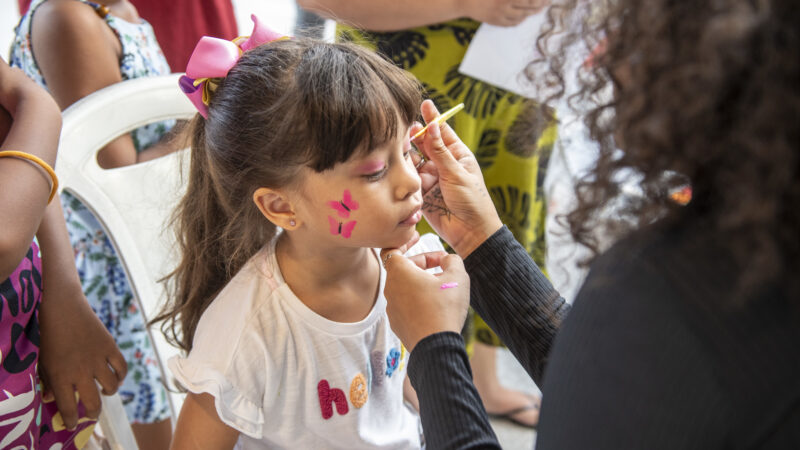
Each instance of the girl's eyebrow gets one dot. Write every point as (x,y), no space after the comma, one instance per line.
(371,166)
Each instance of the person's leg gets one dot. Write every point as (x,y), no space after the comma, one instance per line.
(156,435)
(499,400)
(109,294)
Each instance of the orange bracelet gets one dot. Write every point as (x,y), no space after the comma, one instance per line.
(41,163)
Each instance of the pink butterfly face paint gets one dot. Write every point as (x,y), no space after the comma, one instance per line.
(345,229)
(343,207)
(448,285)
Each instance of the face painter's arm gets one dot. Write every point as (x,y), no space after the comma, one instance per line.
(386,15)
(456,202)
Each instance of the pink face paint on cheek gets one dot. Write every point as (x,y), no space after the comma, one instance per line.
(345,205)
(339,228)
(448,285)
(347,229)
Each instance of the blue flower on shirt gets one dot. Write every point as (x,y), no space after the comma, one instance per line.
(392,361)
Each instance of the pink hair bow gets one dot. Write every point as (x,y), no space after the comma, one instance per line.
(214,58)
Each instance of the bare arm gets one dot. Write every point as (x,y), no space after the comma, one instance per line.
(78,54)
(388,15)
(29,122)
(199,426)
(76,349)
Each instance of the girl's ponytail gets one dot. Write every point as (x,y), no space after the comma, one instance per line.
(211,246)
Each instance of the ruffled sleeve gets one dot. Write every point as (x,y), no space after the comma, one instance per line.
(233,406)
(230,359)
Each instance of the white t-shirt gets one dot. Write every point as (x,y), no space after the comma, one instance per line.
(286,377)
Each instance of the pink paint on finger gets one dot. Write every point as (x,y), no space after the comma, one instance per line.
(448,285)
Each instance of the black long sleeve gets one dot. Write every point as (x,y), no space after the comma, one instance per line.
(515,298)
(654,354)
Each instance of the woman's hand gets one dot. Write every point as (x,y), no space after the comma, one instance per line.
(456,202)
(420,304)
(504,13)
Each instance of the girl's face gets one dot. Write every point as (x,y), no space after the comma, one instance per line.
(367,201)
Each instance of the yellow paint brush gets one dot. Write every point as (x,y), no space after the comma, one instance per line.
(439,120)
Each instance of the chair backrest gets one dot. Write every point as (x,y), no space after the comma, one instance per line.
(133,203)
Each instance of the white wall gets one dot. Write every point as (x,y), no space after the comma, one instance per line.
(9,16)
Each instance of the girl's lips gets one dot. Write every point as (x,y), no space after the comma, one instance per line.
(414,218)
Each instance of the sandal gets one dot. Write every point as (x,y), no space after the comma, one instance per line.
(509,415)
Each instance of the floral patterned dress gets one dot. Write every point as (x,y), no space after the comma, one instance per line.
(102,276)
(512,136)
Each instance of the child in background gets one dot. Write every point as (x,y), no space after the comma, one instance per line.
(300,167)
(41,290)
(74,48)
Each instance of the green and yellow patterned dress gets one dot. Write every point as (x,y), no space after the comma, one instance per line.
(512,137)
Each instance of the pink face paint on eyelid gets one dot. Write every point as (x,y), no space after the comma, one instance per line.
(371,167)
(345,205)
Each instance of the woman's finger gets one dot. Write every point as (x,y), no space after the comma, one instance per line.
(439,153)
(428,260)
(430,113)
(387,254)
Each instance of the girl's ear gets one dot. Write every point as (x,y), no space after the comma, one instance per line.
(276,207)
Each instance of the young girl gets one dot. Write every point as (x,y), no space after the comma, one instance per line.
(73,48)
(299,168)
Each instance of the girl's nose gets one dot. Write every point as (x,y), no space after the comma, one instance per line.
(408,182)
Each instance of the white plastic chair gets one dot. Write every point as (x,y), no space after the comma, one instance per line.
(132,203)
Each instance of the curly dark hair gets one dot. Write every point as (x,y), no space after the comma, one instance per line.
(704,92)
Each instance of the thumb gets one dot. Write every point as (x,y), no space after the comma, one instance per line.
(452,264)
(399,269)
(438,152)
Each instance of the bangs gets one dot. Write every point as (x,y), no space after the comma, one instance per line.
(355,102)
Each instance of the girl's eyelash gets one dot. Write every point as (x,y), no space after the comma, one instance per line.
(377,175)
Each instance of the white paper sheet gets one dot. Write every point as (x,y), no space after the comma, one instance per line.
(498,55)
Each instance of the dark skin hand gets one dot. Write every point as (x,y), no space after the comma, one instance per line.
(76,349)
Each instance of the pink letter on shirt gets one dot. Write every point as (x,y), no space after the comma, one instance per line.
(328,395)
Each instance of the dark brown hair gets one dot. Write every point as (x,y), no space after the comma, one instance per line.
(704,92)
(285,105)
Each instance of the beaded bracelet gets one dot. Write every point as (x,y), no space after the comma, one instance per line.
(41,163)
